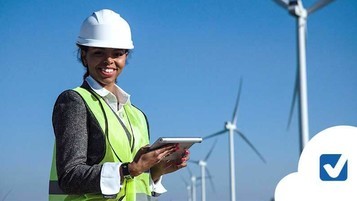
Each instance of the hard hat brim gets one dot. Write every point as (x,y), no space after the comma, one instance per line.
(103,44)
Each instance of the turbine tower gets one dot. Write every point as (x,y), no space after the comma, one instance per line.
(231,127)
(188,188)
(203,164)
(193,184)
(297,10)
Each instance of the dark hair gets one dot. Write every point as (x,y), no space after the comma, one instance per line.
(80,58)
(82,48)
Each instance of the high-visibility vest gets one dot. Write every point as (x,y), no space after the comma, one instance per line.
(118,149)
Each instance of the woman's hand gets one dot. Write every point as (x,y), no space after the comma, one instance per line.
(145,159)
(165,167)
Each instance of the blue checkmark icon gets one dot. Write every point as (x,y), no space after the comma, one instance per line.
(333,167)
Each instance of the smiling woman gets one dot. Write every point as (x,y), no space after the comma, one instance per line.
(103,64)
(101,147)
(83,50)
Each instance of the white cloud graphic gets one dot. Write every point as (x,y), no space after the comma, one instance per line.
(308,185)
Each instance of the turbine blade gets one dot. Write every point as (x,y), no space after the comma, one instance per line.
(215,134)
(210,180)
(318,5)
(210,151)
(194,161)
(235,111)
(189,171)
(7,194)
(251,145)
(295,96)
(282,3)
(184,181)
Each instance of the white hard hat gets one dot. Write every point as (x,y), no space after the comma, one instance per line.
(107,29)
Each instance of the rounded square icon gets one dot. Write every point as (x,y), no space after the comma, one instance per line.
(333,167)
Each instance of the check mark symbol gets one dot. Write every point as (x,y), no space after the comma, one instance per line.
(334,172)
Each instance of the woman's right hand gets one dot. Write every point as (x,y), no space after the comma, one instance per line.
(145,159)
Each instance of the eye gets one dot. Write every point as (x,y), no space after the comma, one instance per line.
(98,53)
(120,52)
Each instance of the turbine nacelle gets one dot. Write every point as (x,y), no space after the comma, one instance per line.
(230,126)
(296,9)
(202,163)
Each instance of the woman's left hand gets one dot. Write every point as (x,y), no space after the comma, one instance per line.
(165,167)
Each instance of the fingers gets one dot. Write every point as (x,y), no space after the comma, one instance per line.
(167,166)
(144,149)
(153,159)
(165,151)
(183,162)
(172,166)
(184,159)
(186,153)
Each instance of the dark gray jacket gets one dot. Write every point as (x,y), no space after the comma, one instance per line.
(80,144)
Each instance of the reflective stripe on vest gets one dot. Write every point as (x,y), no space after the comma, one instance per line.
(136,189)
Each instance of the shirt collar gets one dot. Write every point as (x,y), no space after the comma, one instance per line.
(120,94)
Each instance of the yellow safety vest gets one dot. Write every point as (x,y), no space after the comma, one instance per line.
(118,149)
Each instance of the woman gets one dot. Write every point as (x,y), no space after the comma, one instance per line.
(101,147)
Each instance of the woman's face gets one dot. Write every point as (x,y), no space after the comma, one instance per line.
(105,64)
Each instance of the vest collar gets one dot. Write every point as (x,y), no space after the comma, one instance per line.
(121,96)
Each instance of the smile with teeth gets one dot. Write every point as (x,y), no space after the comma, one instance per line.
(107,70)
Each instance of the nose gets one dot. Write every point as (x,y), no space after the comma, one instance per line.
(108,60)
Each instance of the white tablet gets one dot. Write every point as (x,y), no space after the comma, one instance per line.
(184,143)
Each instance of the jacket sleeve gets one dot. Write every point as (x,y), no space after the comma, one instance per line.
(69,121)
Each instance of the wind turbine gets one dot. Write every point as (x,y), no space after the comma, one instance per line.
(297,10)
(231,127)
(203,164)
(188,188)
(193,184)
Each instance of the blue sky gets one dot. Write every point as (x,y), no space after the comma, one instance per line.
(184,73)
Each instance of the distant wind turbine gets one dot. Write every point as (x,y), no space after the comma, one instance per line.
(188,188)
(193,184)
(297,10)
(231,127)
(203,164)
